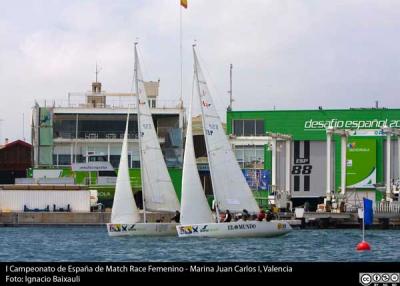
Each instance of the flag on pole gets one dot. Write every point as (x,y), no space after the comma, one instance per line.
(368,212)
(184,3)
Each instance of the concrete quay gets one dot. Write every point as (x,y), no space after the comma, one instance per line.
(66,218)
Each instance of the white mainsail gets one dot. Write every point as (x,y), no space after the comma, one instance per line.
(194,206)
(158,191)
(230,187)
(124,208)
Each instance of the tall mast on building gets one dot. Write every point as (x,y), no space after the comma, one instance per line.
(97,71)
(96,86)
(230,88)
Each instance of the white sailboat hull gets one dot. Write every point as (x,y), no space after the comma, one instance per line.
(235,229)
(142,229)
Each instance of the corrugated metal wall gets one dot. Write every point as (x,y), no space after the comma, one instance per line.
(14,200)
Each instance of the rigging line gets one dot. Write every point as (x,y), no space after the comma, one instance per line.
(143,68)
(191,105)
(207,80)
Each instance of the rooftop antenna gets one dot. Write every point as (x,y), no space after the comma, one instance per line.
(230,88)
(376,104)
(97,71)
(135,43)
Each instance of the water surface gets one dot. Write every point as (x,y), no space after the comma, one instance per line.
(94,244)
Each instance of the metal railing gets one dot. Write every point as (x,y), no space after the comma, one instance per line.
(112,134)
(387,207)
(110,103)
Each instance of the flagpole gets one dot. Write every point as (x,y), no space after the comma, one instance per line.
(180,53)
(363,225)
(363,245)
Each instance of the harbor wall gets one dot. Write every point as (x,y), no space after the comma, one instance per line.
(18,200)
(62,218)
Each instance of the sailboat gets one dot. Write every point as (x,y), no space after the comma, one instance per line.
(231,191)
(158,192)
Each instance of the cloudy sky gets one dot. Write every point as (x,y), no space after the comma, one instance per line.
(285,54)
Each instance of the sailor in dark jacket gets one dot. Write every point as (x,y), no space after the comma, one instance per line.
(177,217)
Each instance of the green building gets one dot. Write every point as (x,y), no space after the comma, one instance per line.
(365,157)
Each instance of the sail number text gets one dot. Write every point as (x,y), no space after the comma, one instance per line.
(301,169)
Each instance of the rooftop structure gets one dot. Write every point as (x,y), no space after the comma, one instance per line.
(91,124)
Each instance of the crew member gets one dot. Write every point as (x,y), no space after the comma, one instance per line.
(177,217)
(261,215)
(228,216)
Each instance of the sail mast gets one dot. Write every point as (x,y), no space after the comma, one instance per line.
(196,62)
(139,133)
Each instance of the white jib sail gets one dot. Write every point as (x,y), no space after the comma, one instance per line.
(158,190)
(229,184)
(194,206)
(124,208)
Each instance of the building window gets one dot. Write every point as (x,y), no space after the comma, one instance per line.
(135,164)
(259,127)
(64,160)
(248,127)
(306,183)
(250,157)
(238,127)
(152,103)
(114,160)
(239,156)
(296,183)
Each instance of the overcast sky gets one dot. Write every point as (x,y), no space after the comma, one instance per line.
(288,54)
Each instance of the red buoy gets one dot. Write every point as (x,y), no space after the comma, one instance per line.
(363,245)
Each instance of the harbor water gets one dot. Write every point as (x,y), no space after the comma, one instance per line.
(58,244)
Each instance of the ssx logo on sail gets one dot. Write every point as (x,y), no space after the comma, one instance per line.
(281,226)
(192,229)
(121,227)
(186,229)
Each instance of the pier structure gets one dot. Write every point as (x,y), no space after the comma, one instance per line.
(280,188)
(389,132)
(343,133)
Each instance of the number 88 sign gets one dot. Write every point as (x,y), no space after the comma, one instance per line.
(301,169)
